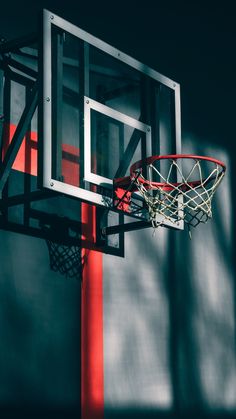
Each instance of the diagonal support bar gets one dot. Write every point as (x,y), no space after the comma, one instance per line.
(10,62)
(18,137)
(15,44)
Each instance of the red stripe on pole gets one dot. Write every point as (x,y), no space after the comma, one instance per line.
(92,373)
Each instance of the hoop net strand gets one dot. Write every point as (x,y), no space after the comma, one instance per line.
(185,200)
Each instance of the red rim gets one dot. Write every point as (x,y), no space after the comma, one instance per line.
(145,162)
(150,160)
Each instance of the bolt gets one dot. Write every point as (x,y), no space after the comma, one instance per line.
(118,54)
(174,85)
(148,129)
(48,99)
(51,184)
(103,231)
(87,101)
(52,17)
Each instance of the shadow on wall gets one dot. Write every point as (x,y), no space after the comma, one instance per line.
(39,333)
(205,375)
(36,412)
(131,413)
(182,360)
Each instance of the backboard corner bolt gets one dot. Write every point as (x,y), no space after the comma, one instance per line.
(174,84)
(148,129)
(51,184)
(87,101)
(48,99)
(51,17)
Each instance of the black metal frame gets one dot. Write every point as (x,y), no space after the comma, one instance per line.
(39,95)
(14,71)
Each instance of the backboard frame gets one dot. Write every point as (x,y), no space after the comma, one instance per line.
(49,181)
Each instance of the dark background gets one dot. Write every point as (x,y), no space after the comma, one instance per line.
(192,43)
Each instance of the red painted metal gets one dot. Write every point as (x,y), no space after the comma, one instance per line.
(92,368)
(150,160)
(126,181)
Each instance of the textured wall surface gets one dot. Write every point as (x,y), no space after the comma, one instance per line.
(39,333)
(169,314)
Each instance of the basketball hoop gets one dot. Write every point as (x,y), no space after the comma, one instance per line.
(176,188)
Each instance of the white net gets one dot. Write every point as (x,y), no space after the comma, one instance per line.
(174,194)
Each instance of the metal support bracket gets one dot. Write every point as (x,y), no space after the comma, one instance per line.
(137,225)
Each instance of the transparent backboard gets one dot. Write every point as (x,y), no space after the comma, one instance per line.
(102,111)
